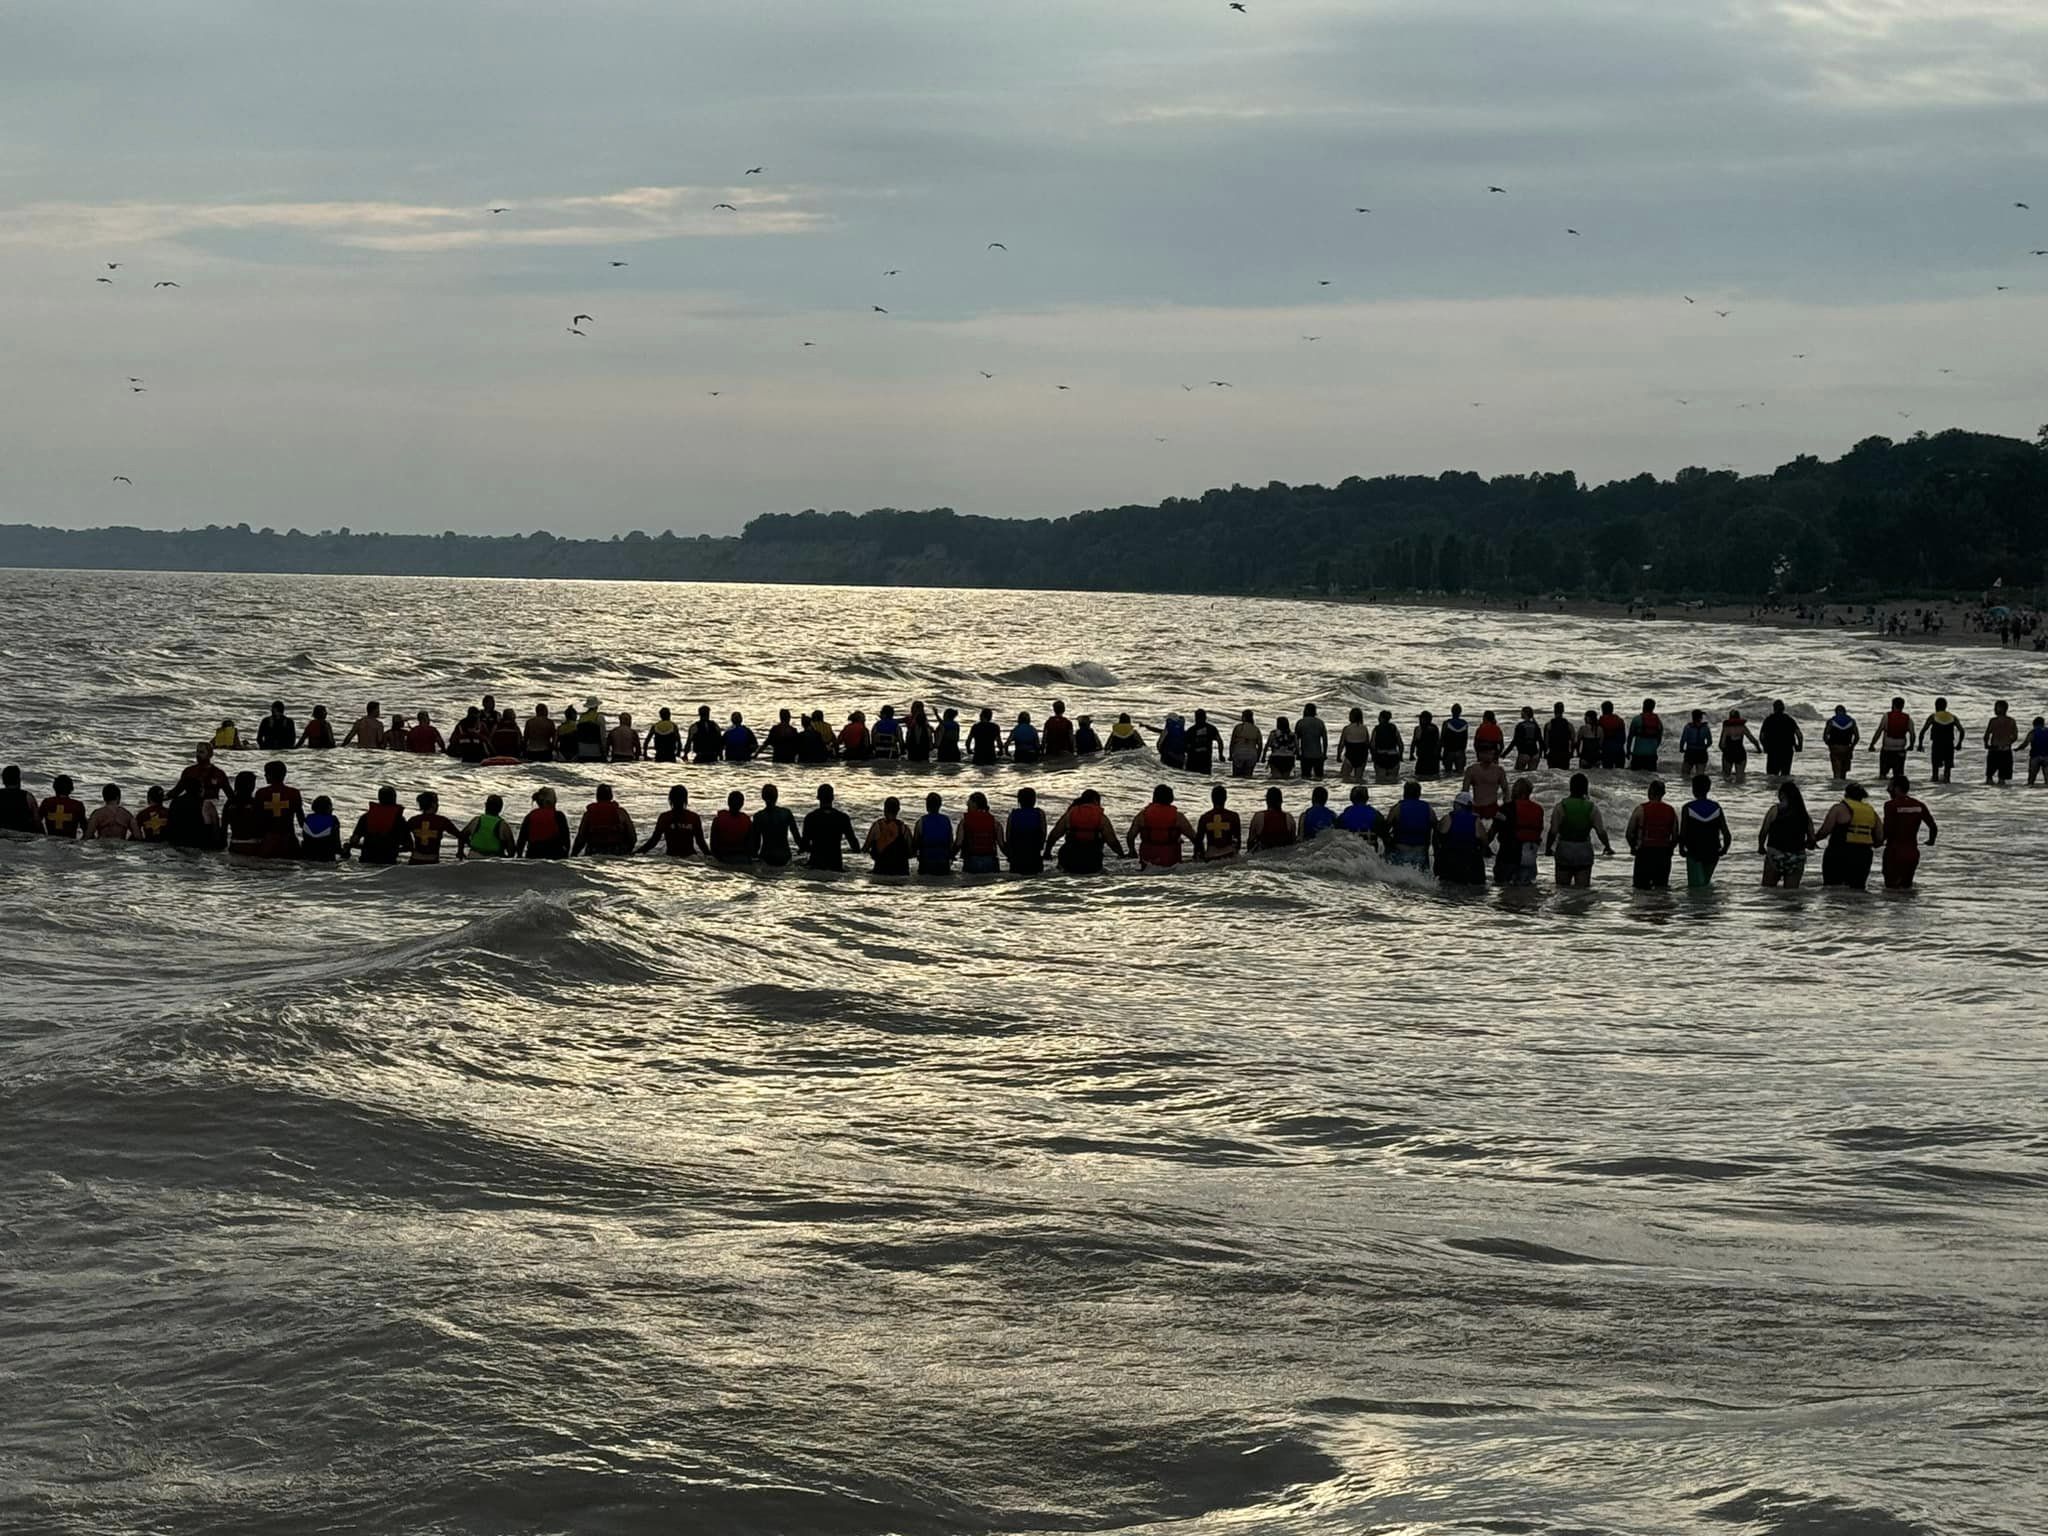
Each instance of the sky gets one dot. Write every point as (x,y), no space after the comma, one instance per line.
(356,339)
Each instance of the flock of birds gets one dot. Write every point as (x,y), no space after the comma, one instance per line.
(582,319)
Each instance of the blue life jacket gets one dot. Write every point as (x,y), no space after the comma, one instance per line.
(1359,818)
(740,743)
(1696,738)
(1027,824)
(1464,832)
(1315,819)
(1412,822)
(934,833)
(1024,738)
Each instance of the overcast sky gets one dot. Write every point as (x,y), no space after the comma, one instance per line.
(357,340)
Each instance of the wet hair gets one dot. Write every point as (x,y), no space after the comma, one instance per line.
(1218,795)
(1789,795)
(1357,716)
(824,794)
(678,796)
(1360,795)
(735,800)
(1091,797)
(891,806)
(1579,784)
(1162,794)
(493,804)
(1027,796)
(932,801)
(1656,787)
(1273,797)
(1319,795)
(1412,790)
(111,793)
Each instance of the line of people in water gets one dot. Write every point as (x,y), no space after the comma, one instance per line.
(1488,821)
(1382,750)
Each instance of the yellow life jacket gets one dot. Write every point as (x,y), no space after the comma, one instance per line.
(1861,831)
(227,736)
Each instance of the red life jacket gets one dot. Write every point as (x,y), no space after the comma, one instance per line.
(1159,834)
(1659,826)
(602,825)
(420,739)
(979,832)
(1084,823)
(1528,821)
(1059,736)
(1651,725)
(854,737)
(382,821)
(1898,723)
(729,831)
(319,734)
(1488,734)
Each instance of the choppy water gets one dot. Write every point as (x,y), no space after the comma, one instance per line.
(1289,1197)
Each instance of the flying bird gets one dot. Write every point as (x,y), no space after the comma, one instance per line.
(810,343)
(1238,5)
(1158,439)
(1222,384)
(103,279)
(714,393)
(2041,253)
(997,245)
(1724,313)
(113,266)
(893,272)
(501,210)
(1944,370)
(163,285)
(579,319)
(574,332)
(878,309)
(728,207)
(984,373)
(1906,415)
(1685,402)
(1503,191)
(1571,231)
(618,263)
(123,480)
(132,379)
(756,170)
(1188,388)
(2002,287)
(1361,210)
(1322,282)
(1688,298)
(137,389)
(1311,338)
(1059,386)
(2021,205)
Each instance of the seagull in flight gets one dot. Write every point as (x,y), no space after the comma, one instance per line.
(2041,253)
(1188,389)
(1503,191)
(501,210)
(984,373)
(2002,288)
(714,393)
(810,343)
(728,207)
(1322,282)
(1685,402)
(103,279)
(893,272)
(1724,313)
(1311,338)
(2022,205)
(163,285)
(1238,5)
(574,332)
(579,319)
(123,480)
(1906,415)
(137,389)
(1688,298)
(1222,384)
(1361,210)
(1944,370)
(113,266)
(756,170)
(1059,386)
(618,263)
(997,245)
(1571,231)
(132,379)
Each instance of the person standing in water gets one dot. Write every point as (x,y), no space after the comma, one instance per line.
(1779,738)
(1527,741)
(1703,835)
(775,829)
(1387,748)
(1280,749)
(1318,818)
(605,828)
(1736,740)
(978,838)
(539,734)
(1218,834)
(1158,831)
(664,741)
(2037,751)
(1840,736)
(934,839)
(1613,736)
(1652,836)
(1574,823)
(731,835)
(1426,746)
(2001,734)
(486,836)
(427,831)
(1941,733)
(1204,741)
(1410,828)
(1361,817)
(1086,742)
(1058,734)
(1081,833)
(318,736)
(888,840)
(1024,830)
(1272,827)
(1558,739)
(1892,739)
(1852,831)
(1695,741)
(1124,736)
(1588,740)
(368,731)
(1785,836)
(1461,843)
(111,822)
(1521,837)
(380,831)
(1247,745)
(1903,818)
(1456,734)
(828,832)
(1645,738)
(544,831)
(1354,745)
(1312,739)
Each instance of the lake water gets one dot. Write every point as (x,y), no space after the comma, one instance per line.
(1297,1195)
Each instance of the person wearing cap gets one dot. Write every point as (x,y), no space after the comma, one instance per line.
(590,732)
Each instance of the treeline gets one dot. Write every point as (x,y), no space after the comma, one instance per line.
(1952,513)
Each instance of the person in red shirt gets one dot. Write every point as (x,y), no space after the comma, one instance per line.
(1521,842)
(544,834)
(1903,818)
(1652,835)
(429,829)
(200,772)
(61,815)
(1273,827)
(732,838)
(1158,831)
(380,830)
(678,829)
(319,731)
(283,814)
(1219,834)
(605,828)
(423,737)
(155,819)
(1058,734)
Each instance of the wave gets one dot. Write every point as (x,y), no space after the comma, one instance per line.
(1075,674)
(1774,1512)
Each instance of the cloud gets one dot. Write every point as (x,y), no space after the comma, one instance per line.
(635,214)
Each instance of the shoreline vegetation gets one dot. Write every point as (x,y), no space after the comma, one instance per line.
(1954,522)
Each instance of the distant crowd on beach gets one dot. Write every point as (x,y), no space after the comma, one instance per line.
(1493,824)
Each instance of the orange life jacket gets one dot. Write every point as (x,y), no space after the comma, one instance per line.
(1159,834)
